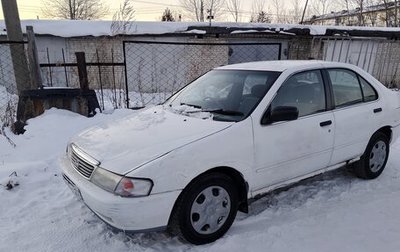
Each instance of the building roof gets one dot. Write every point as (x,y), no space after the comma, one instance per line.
(353,12)
(84,28)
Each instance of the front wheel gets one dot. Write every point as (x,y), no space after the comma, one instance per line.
(206,209)
(375,157)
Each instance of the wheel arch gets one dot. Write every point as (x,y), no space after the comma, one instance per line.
(240,183)
(387,130)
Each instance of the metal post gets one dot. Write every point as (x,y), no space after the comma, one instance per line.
(50,70)
(82,71)
(14,33)
(126,75)
(100,79)
(65,68)
(35,72)
(113,75)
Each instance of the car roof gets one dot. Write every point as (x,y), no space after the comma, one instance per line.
(282,65)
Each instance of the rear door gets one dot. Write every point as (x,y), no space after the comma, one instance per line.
(286,150)
(357,113)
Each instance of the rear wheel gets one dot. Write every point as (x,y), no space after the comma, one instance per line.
(375,157)
(206,209)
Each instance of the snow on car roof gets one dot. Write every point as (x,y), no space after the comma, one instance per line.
(279,65)
(282,65)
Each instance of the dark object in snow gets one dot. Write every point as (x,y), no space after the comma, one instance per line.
(34,102)
(9,186)
(18,127)
(12,182)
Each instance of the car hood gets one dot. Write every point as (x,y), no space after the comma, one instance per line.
(126,144)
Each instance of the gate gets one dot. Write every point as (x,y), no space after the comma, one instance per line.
(378,56)
(155,70)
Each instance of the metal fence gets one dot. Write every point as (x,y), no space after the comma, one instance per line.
(104,74)
(8,82)
(155,70)
(378,56)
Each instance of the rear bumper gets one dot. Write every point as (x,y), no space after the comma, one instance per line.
(141,214)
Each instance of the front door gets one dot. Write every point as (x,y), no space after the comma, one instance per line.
(289,149)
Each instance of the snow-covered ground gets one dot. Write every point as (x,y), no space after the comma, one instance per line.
(331,212)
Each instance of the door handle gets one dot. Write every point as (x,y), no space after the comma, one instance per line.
(377,110)
(326,123)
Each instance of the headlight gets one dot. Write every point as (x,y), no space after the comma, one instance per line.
(133,187)
(105,179)
(120,185)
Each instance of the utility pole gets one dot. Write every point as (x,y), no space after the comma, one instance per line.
(14,33)
(202,11)
(304,12)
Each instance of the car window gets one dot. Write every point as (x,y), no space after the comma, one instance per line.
(253,80)
(346,88)
(230,95)
(303,90)
(368,91)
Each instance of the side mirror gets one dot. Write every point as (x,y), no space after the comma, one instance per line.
(281,113)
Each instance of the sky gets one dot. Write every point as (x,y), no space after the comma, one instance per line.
(146,10)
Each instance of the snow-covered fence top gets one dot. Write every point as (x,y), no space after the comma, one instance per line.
(81,28)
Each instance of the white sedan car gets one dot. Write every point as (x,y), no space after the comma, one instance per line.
(234,134)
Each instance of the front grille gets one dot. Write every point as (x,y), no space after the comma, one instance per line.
(80,165)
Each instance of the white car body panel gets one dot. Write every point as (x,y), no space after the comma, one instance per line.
(218,150)
(123,213)
(173,149)
(304,147)
(150,134)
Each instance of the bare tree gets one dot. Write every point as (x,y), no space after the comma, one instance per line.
(280,12)
(297,11)
(234,7)
(347,6)
(360,5)
(257,7)
(198,9)
(321,7)
(122,19)
(389,13)
(75,9)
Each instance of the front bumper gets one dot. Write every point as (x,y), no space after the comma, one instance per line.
(141,214)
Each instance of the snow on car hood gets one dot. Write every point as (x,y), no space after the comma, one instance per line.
(126,144)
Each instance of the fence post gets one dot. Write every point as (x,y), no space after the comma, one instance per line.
(14,33)
(35,72)
(82,71)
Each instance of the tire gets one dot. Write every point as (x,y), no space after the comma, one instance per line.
(206,209)
(375,157)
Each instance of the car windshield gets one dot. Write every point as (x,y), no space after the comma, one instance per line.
(230,95)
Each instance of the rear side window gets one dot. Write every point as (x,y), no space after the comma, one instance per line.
(346,87)
(368,91)
(350,88)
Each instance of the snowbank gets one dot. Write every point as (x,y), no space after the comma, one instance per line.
(333,212)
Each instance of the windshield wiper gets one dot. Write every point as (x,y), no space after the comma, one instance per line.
(191,105)
(224,112)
